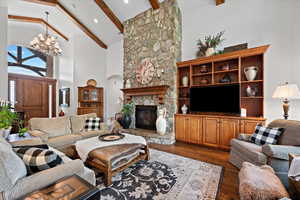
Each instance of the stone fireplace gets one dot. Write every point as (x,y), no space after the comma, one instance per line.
(145,117)
(154,35)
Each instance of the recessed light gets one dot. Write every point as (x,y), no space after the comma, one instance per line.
(126,1)
(95,20)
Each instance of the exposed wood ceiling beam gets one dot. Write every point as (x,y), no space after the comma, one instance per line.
(219,2)
(154,4)
(73,18)
(44,2)
(109,13)
(37,21)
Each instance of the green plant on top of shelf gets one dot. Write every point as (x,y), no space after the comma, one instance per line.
(210,42)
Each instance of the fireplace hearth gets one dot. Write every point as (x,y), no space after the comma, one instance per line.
(145,117)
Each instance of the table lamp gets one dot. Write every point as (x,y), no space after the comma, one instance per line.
(286,92)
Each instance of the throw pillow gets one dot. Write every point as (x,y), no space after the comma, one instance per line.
(36,159)
(92,124)
(266,135)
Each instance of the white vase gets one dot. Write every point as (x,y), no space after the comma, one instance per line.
(161,122)
(185,81)
(128,84)
(184,109)
(209,52)
(5,132)
(251,72)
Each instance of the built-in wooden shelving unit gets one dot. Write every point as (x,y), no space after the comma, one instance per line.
(210,71)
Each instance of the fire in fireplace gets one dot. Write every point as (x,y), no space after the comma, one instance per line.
(145,117)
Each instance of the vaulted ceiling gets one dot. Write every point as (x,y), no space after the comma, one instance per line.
(86,11)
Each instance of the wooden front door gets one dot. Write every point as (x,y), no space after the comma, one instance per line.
(32,95)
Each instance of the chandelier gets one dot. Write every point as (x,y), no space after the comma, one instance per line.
(46,43)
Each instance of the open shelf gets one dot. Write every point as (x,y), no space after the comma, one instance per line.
(214,70)
(254,81)
(226,71)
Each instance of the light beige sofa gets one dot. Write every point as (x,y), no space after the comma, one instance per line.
(13,180)
(62,132)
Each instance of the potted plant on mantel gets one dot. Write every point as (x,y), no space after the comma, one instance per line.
(209,45)
(7,118)
(127,111)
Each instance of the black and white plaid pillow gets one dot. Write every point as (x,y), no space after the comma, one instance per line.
(266,135)
(36,159)
(92,124)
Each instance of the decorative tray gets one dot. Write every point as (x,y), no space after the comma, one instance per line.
(111,137)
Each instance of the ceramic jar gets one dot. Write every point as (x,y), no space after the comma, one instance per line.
(127,84)
(185,81)
(161,122)
(184,109)
(251,92)
(5,132)
(251,72)
(209,52)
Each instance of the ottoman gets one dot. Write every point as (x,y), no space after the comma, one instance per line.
(113,159)
(260,183)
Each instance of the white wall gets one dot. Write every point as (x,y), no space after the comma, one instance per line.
(114,75)
(3,61)
(89,63)
(257,22)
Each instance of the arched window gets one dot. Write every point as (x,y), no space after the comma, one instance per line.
(26,61)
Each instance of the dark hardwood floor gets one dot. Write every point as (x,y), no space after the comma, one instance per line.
(229,183)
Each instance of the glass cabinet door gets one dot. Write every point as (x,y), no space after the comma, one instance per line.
(94,95)
(86,95)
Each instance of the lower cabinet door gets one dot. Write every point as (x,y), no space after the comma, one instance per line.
(182,128)
(248,126)
(229,129)
(211,131)
(196,130)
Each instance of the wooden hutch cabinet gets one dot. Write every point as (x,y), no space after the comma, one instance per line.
(90,100)
(217,129)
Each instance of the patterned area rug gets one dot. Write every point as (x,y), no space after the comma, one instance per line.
(165,177)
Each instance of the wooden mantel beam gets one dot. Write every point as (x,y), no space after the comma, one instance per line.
(76,21)
(154,4)
(219,2)
(38,21)
(109,13)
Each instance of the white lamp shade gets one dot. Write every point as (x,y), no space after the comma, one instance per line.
(287,91)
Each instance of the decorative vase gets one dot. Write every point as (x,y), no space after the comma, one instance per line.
(184,109)
(251,72)
(128,84)
(61,113)
(209,52)
(251,92)
(185,81)
(161,122)
(126,121)
(5,132)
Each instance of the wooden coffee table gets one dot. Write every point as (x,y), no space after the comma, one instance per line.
(68,188)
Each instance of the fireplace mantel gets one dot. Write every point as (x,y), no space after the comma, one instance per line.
(159,90)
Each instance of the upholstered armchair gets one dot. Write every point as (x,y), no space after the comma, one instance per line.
(274,155)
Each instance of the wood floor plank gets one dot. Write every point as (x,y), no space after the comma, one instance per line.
(229,185)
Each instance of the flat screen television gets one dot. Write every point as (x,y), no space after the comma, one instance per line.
(217,99)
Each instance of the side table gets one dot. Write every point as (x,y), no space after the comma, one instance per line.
(70,188)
